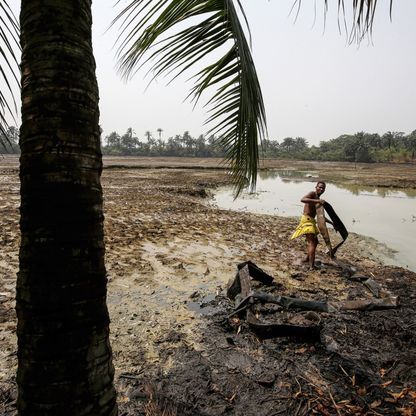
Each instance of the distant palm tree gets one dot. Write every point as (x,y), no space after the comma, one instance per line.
(159,130)
(237,110)
(148,135)
(64,356)
(411,144)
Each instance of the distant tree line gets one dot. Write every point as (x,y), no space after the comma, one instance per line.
(361,147)
(184,144)
(358,148)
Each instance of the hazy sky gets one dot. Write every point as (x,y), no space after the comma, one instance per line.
(314,84)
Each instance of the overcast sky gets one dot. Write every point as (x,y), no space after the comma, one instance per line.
(314,84)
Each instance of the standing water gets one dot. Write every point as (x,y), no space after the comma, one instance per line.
(386,214)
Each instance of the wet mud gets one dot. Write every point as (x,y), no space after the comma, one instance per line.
(169,257)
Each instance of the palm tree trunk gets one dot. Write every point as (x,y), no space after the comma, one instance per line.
(64,356)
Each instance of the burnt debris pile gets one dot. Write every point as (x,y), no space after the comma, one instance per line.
(269,315)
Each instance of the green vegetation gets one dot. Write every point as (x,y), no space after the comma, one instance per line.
(64,355)
(358,148)
(395,147)
(181,145)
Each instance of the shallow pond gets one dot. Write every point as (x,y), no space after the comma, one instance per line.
(388,215)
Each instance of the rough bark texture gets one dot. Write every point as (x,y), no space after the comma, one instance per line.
(64,355)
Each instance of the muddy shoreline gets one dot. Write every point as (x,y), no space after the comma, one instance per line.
(386,175)
(169,257)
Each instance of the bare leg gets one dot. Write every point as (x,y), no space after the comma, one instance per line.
(312,243)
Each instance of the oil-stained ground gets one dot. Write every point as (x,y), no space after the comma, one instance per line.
(170,254)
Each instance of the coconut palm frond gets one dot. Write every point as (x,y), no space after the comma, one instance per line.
(9,67)
(237,114)
(363,13)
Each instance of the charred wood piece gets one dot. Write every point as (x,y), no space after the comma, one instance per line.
(374,287)
(309,332)
(369,304)
(286,302)
(256,273)
(242,281)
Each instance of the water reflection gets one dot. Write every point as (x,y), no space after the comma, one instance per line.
(287,174)
(293,176)
(386,214)
(383,192)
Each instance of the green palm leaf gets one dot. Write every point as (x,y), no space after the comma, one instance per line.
(9,42)
(206,26)
(236,108)
(363,13)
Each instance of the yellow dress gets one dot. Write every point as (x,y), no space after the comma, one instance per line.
(307,225)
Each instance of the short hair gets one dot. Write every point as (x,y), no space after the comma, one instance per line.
(322,182)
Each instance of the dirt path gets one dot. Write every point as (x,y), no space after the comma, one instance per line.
(169,257)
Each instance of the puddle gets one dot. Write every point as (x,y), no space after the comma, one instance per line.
(203,306)
(385,214)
